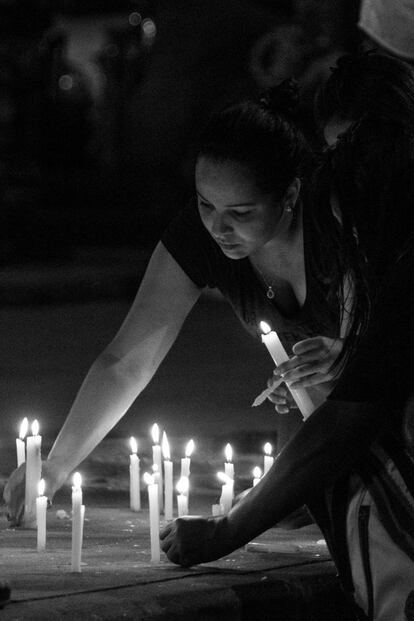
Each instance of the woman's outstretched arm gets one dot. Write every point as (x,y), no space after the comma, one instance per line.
(164,299)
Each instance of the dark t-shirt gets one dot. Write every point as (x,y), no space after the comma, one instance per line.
(203,261)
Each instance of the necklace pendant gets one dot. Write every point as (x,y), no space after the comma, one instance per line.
(270,293)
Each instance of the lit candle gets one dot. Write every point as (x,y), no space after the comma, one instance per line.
(20,443)
(185,461)
(154,514)
(182,496)
(226,498)
(168,478)
(157,460)
(33,474)
(41,506)
(268,458)
(228,464)
(257,475)
(134,483)
(78,514)
(279,355)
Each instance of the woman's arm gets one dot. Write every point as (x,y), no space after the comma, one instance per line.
(125,367)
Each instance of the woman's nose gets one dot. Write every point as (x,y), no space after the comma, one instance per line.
(220,225)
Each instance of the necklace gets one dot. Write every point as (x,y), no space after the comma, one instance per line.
(270,294)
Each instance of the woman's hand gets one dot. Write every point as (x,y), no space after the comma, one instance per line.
(311,367)
(192,540)
(14,491)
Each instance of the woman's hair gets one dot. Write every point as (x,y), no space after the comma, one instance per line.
(262,136)
(367,83)
(370,172)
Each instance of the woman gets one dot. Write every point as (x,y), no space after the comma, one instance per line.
(350,462)
(249,234)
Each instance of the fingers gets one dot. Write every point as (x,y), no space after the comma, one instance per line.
(307,345)
(166,531)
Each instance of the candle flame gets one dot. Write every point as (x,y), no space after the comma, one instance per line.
(23,428)
(133,444)
(154,468)
(35,428)
(148,478)
(228,451)
(77,480)
(268,448)
(257,473)
(189,448)
(265,328)
(165,446)
(41,487)
(155,432)
(222,476)
(183,485)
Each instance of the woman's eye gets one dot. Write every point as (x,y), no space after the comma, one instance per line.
(205,205)
(241,214)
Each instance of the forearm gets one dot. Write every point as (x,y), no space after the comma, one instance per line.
(326,445)
(105,395)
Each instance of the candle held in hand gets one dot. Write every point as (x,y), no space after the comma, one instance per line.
(168,478)
(41,507)
(134,482)
(154,514)
(78,515)
(279,355)
(33,474)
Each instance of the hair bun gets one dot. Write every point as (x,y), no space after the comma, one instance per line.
(283,98)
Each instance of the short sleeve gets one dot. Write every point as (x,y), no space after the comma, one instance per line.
(191,246)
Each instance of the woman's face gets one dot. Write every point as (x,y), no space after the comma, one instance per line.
(240,218)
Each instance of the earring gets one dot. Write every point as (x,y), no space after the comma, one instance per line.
(289,208)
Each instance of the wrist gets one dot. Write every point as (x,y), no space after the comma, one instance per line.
(55,473)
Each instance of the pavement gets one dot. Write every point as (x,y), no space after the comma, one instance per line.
(54,320)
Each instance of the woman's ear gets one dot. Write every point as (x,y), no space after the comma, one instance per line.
(292,193)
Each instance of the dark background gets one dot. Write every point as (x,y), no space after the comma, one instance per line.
(99,106)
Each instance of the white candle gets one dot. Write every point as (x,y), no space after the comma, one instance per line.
(157,459)
(154,515)
(185,461)
(268,458)
(168,478)
(216,509)
(20,443)
(279,355)
(227,490)
(33,474)
(257,475)
(182,496)
(78,514)
(228,464)
(41,507)
(134,482)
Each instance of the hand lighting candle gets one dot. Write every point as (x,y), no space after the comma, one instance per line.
(185,461)
(41,507)
(33,474)
(168,478)
(268,458)
(78,515)
(228,464)
(154,515)
(227,490)
(257,475)
(134,482)
(279,355)
(20,443)
(182,497)
(157,460)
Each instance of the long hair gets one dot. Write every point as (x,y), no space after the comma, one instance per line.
(370,172)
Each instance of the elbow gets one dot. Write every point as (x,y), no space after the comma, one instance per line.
(124,369)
